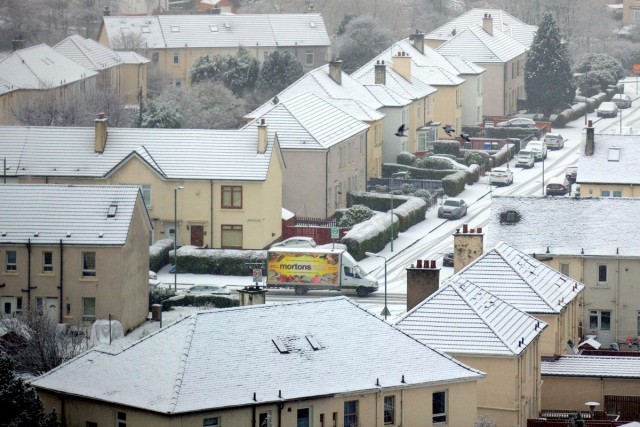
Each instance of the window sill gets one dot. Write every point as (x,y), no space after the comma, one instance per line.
(48,274)
(10,273)
(88,279)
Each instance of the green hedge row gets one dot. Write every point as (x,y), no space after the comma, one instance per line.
(502,133)
(371,236)
(224,262)
(473,174)
(161,295)
(409,209)
(454,184)
(380,202)
(447,147)
(411,213)
(502,156)
(389,169)
(159,254)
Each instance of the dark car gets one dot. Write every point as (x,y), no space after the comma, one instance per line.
(518,122)
(447,259)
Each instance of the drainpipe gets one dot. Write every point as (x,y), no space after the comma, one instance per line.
(60,287)
(618,301)
(280,406)
(326,184)
(29,274)
(211,215)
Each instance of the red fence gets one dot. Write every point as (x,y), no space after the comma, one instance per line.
(319,229)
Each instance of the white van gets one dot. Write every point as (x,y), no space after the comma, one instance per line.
(539,149)
(525,158)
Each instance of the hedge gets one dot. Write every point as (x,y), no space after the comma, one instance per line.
(371,236)
(410,209)
(473,174)
(224,262)
(389,169)
(433,163)
(406,158)
(201,301)
(159,254)
(501,133)
(505,154)
(411,213)
(454,183)
(447,147)
(379,202)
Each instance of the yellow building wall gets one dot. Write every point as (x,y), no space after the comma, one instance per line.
(447,107)
(595,190)
(374,149)
(413,408)
(572,392)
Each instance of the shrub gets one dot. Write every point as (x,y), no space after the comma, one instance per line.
(355,215)
(157,295)
(371,236)
(389,169)
(473,174)
(379,202)
(225,262)
(406,158)
(447,147)
(159,254)
(454,184)
(433,163)
(476,157)
(407,188)
(201,301)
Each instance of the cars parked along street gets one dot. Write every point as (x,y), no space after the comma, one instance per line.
(204,290)
(452,208)
(554,141)
(296,242)
(518,122)
(501,176)
(557,187)
(525,158)
(607,109)
(622,100)
(538,148)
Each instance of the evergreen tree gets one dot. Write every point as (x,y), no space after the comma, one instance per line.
(548,78)
(364,37)
(21,406)
(599,71)
(278,71)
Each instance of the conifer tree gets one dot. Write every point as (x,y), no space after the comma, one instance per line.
(548,79)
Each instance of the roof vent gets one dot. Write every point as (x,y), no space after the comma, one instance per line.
(145,29)
(312,24)
(36,234)
(101,235)
(280,346)
(614,154)
(227,24)
(214,28)
(112,211)
(4,234)
(510,217)
(175,29)
(68,234)
(313,342)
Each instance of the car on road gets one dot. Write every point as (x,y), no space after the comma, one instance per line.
(557,187)
(453,208)
(207,290)
(525,158)
(501,176)
(607,109)
(622,100)
(296,242)
(447,259)
(539,149)
(571,174)
(554,141)
(518,122)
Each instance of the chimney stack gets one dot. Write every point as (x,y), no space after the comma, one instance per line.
(422,281)
(252,295)
(335,70)
(467,246)
(380,73)
(590,143)
(487,23)
(401,63)
(106,11)
(17,44)
(418,41)
(262,137)
(101,133)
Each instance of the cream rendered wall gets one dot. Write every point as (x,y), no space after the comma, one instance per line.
(304,183)
(374,149)
(493,92)
(565,392)
(595,190)
(433,44)
(6,117)
(472,99)
(448,107)
(413,408)
(132,77)
(513,82)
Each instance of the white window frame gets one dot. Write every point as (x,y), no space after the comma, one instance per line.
(606,274)
(47,267)
(176,58)
(441,416)
(145,190)
(598,316)
(350,415)
(605,193)
(90,316)
(426,138)
(86,271)
(211,422)
(121,419)
(389,406)
(309,54)
(11,265)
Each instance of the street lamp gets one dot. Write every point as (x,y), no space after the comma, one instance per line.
(392,218)
(175,237)
(385,311)
(173,298)
(592,407)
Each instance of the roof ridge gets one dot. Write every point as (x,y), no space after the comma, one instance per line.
(515,270)
(84,52)
(183,362)
(25,63)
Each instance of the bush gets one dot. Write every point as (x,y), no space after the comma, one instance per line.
(355,215)
(411,213)
(473,174)
(371,236)
(447,147)
(159,254)
(433,163)
(454,184)
(376,201)
(503,156)
(157,295)
(201,301)
(424,195)
(502,133)
(405,158)
(476,157)
(225,262)
(389,169)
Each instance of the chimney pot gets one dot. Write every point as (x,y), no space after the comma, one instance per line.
(479,230)
(433,264)
(419,264)
(425,263)
(464,228)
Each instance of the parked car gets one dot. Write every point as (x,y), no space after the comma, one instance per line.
(571,174)
(518,122)
(525,158)
(501,176)
(296,242)
(557,187)
(622,100)
(452,208)
(447,259)
(538,148)
(153,280)
(607,109)
(554,141)
(204,290)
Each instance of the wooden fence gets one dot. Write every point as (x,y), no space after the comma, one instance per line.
(319,229)
(627,406)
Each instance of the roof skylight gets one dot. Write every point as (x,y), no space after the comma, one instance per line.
(614,154)
(175,29)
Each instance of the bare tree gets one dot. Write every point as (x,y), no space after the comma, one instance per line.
(37,344)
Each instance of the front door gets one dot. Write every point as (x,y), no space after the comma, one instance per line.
(52,308)
(197,235)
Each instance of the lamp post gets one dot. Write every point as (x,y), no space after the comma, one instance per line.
(385,310)
(543,170)
(175,237)
(391,219)
(592,407)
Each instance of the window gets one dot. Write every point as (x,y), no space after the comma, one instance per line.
(605,193)
(211,422)
(564,269)
(176,58)
(89,314)
(638,324)
(389,409)
(121,419)
(155,57)
(47,262)
(617,193)
(264,419)
(600,320)
(146,194)
(231,197)
(426,138)
(12,261)
(602,273)
(90,424)
(40,305)
(351,413)
(309,57)
(232,236)
(304,417)
(88,264)
(439,402)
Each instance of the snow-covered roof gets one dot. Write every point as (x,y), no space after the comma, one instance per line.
(502,21)
(207,31)
(521,280)
(40,67)
(576,228)
(350,95)
(416,88)
(386,96)
(592,367)
(130,57)
(95,215)
(88,53)
(476,45)
(462,318)
(308,122)
(223,358)
(615,160)
(170,153)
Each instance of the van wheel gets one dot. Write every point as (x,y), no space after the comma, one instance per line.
(300,290)
(362,291)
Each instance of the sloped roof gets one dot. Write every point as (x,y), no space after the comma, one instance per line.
(521,280)
(598,169)
(209,360)
(479,47)
(462,318)
(309,122)
(75,214)
(129,57)
(386,96)
(502,21)
(577,226)
(592,367)
(40,67)
(204,31)
(353,97)
(171,153)
(414,89)
(463,65)
(88,53)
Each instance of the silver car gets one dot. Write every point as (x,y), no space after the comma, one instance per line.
(452,208)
